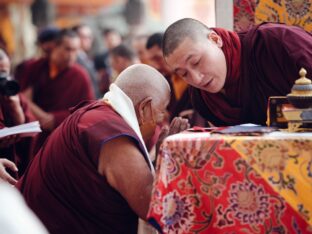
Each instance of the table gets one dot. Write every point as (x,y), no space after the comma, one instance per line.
(233,184)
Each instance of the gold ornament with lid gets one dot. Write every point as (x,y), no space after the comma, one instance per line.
(301,92)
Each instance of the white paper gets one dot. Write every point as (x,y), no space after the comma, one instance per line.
(32,127)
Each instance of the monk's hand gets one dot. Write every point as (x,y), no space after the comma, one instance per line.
(177,125)
(4,175)
(47,121)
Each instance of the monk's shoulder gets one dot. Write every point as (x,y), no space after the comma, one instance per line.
(278,31)
(103,117)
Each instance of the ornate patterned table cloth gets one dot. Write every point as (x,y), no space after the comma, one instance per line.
(228,184)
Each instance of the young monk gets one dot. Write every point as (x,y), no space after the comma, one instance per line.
(233,74)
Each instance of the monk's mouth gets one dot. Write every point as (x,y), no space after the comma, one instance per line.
(208,84)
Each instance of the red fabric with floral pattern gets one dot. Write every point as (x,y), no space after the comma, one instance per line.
(204,186)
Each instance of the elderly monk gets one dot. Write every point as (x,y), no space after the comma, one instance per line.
(233,74)
(93,174)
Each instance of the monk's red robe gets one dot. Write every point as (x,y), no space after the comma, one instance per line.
(21,72)
(63,186)
(262,62)
(56,95)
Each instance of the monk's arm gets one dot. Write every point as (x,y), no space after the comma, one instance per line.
(13,109)
(125,169)
(46,119)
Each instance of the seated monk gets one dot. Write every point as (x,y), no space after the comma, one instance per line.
(94,174)
(233,74)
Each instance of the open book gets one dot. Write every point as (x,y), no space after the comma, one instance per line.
(27,129)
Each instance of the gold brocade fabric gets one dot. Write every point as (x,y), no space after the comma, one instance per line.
(286,165)
(290,12)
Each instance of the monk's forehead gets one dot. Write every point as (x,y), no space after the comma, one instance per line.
(194,35)
(190,38)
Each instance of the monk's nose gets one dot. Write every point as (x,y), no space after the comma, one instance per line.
(196,77)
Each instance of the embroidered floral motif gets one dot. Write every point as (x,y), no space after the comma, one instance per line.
(272,158)
(269,157)
(290,12)
(302,145)
(250,204)
(178,213)
(172,164)
(298,8)
(244,14)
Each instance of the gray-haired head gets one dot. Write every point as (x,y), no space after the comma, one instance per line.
(176,33)
(140,81)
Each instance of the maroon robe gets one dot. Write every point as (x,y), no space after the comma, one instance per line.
(63,186)
(19,151)
(21,73)
(57,95)
(270,57)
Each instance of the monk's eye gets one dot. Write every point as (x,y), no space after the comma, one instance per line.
(182,74)
(196,62)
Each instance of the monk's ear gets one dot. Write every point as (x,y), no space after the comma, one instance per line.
(214,37)
(145,107)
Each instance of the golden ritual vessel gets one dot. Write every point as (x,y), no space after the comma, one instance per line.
(299,116)
(301,92)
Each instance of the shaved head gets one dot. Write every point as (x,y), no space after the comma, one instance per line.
(140,81)
(176,33)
